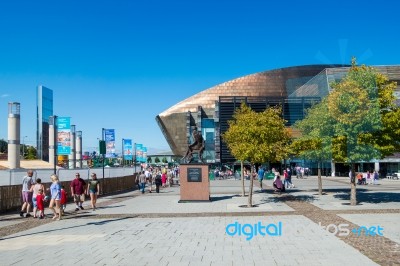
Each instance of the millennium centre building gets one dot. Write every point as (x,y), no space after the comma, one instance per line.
(293,88)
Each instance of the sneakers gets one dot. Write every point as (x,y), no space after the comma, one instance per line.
(76,209)
(81,207)
(27,215)
(21,214)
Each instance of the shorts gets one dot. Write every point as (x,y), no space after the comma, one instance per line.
(56,197)
(27,196)
(34,201)
(79,198)
(92,191)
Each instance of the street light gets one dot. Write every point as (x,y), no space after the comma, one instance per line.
(23,147)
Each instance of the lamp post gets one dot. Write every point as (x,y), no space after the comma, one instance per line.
(134,154)
(23,147)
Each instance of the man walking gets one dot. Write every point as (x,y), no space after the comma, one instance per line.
(27,183)
(261,176)
(78,188)
(142,181)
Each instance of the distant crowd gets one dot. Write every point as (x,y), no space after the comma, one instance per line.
(156,177)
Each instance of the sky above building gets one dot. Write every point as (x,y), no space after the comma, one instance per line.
(117,64)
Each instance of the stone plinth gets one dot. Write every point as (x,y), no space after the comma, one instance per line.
(194,181)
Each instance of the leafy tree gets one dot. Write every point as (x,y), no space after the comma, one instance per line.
(257,138)
(157,160)
(164,160)
(149,160)
(3,146)
(31,153)
(358,121)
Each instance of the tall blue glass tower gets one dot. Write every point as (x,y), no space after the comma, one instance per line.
(44,101)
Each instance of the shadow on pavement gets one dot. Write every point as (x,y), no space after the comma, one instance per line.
(218,198)
(69,227)
(371,197)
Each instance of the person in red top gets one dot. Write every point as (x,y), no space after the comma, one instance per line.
(164,179)
(40,203)
(78,188)
(63,200)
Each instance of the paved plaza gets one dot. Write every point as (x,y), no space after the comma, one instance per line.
(154,229)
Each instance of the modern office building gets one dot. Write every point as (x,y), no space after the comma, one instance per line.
(293,88)
(44,101)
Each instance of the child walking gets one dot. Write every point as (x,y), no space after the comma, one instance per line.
(40,203)
(63,200)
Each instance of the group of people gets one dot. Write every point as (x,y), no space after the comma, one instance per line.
(35,194)
(278,184)
(367,178)
(157,176)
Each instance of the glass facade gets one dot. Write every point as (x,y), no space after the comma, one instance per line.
(44,101)
(208,132)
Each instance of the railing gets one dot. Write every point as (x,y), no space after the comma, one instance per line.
(14,177)
(10,196)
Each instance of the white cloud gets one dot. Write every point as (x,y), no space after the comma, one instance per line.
(4,95)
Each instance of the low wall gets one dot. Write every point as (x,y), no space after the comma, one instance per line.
(11,199)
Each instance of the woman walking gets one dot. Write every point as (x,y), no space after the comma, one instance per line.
(55,190)
(93,190)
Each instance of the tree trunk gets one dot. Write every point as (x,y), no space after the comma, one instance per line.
(250,203)
(353,194)
(319,179)
(243,190)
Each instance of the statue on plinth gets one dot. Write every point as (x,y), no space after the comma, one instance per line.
(198,144)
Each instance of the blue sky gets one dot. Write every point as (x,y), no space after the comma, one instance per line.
(117,64)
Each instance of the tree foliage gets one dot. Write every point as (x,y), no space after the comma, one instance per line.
(3,146)
(357,121)
(316,134)
(257,137)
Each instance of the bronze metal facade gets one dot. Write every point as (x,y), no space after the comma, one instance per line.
(176,122)
(274,83)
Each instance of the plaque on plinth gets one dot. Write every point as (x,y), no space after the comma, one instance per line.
(194,183)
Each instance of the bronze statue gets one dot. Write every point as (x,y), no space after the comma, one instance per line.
(198,144)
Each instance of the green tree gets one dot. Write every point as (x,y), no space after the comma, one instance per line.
(316,137)
(157,160)
(164,160)
(3,146)
(149,160)
(361,105)
(357,121)
(257,138)
(31,153)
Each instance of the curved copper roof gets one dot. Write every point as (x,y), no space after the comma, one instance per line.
(272,83)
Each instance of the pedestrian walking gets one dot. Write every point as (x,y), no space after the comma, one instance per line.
(78,188)
(40,203)
(158,182)
(149,178)
(142,181)
(164,179)
(63,201)
(27,186)
(55,191)
(260,173)
(35,191)
(287,181)
(93,190)
(376,177)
